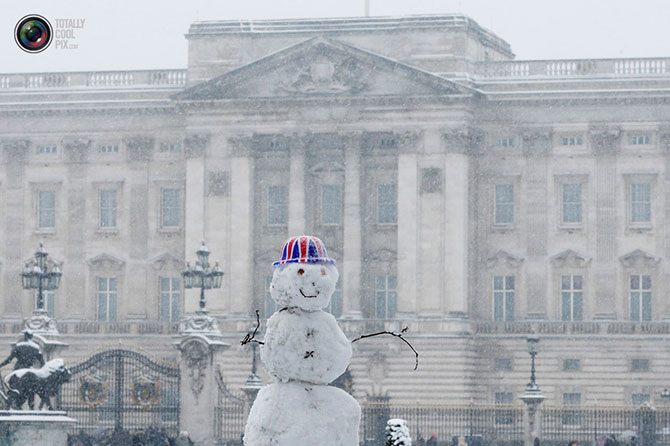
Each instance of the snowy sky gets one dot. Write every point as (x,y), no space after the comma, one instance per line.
(137,34)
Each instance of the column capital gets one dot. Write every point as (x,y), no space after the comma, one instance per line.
(605,140)
(195,144)
(537,142)
(466,140)
(664,138)
(16,150)
(139,147)
(76,149)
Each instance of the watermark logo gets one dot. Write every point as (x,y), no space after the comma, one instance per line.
(34,33)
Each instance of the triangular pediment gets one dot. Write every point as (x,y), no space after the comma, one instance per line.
(321,67)
(639,258)
(570,259)
(106,261)
(503,259)
(167,261)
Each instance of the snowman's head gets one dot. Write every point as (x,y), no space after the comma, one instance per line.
(307,286)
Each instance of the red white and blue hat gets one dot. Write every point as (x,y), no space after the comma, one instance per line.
(303,249)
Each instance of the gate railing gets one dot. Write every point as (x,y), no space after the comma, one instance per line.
(230,415)
(122,390)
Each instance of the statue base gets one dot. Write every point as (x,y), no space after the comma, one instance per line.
(34,427)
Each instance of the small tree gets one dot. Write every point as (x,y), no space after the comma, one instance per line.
(397,433)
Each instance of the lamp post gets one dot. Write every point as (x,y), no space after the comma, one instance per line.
(533,343)
(38,276)
(202,275)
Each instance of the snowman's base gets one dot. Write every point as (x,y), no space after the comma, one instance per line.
(294,414)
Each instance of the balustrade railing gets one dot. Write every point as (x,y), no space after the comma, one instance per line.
(93,79)
(574,68)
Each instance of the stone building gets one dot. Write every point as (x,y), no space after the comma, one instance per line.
(470,196)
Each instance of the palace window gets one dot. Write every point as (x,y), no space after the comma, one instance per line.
(170,208)
(640,201)
(49,302)
(387,207)
(504,399)
(107,298)
(639,140)
(503,298)
(571,297)
(640,297)
(572,417)
(505,141)
(335,306)
(571,203)
(386,296)
(109,148)
(170,302)
(169,147)
(331,204)
(46,209)
(639,365)
(571,364)
(44,150)
(504,204)
(572,140)
(277,205)
(639,398)
(502,364)
(107,208)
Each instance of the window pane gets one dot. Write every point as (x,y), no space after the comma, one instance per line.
(47,209)
(386,203)
(509,306)
(170,207)
(634,282)
(572,203)
(165,284)
(392,282)
(277,199)
(509,282)
(112,284)
(565,282)
(381,305)
(331,204)
(640,202)
(497,282)
(566,306)
(108,208)
(504,203)
(577,282)
(498,311)
(646,282)
(381,282)
(577,306)
(165,306)
(112,307)
(646,306)
(392,298)
(102,284)
(102,306)
(635,306)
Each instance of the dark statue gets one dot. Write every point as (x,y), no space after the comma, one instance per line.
(26,381)
(26,353)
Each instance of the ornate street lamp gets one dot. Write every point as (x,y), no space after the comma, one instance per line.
(202,276)
(37,276)
(533,342)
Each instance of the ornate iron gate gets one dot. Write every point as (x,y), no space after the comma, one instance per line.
(230,415)
(122,389)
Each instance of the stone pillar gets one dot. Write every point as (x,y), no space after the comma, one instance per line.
(200,348)
(74,282)
(605,144)
(240,263)
(458,145)
(15,156)
(352,265)
(296,190)
(407,233)
(536,149)
(532,416)
(33,427)
(195,146)
(664,139)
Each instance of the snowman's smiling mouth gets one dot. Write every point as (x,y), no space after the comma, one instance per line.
(309,297)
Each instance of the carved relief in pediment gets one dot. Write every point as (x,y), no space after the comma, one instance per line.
(639,258)
(570,259)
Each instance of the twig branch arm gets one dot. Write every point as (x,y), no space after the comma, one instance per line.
(397,335)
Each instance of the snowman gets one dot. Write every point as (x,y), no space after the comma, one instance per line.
(304,349)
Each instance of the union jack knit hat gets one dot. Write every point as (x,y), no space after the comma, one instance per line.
(303,249)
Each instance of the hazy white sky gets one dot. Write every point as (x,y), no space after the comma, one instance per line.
(136,34)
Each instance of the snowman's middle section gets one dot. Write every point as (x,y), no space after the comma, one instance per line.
(305,346)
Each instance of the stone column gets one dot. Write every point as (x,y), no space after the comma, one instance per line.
(407,232)
(536,149)
(200,348)
(15,155)
(458,145)
(605,145)
(532,416)
(240,263)
(665,145)
(296,190)
(195,146)
(139,154)
(352,265)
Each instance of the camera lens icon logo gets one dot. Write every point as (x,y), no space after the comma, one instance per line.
(33,33)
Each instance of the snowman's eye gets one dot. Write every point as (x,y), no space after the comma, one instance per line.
(301,271)
(323,271)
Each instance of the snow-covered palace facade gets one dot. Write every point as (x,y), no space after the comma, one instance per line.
(470,196)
